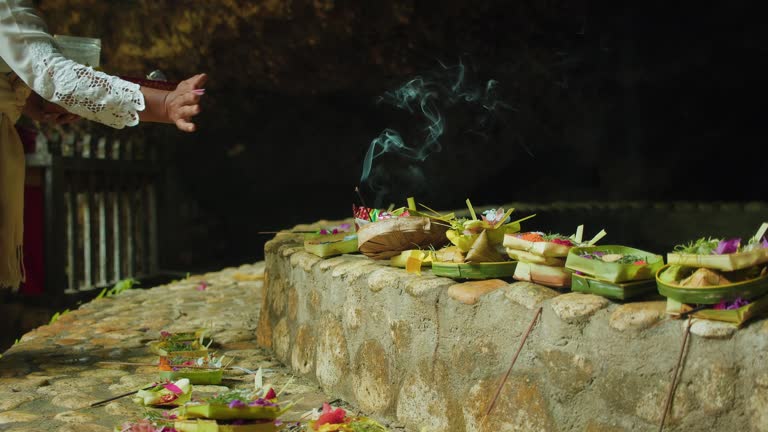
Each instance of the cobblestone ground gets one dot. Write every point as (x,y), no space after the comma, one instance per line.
(49,379)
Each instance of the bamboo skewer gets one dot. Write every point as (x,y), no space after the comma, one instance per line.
(514,359)
(673,385)
(119,396)
(178,366)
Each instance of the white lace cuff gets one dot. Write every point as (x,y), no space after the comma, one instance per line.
(83,91)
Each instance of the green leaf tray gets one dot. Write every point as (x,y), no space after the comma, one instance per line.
(551,276)
(492,270)
(195,376)
(200,425)
(329,245)
(725,262)
(747,290)
(161,348)
(617,291)
(611,271)
(224,412)
(736,316)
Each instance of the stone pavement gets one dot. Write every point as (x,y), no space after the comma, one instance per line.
(49,378)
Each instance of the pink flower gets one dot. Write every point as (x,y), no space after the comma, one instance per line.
(330,416)
(202,286)
(173,388)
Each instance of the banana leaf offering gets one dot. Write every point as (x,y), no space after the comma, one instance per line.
(551,276)
(548,245)
(332,241)
(704,286)
(483,270)
(723,254)
(206,370)
(203,425)
(260,404)
(542,257)
(384,234)
(737,312)
(331,419)
(612,290)
(614,263)
(178,348)
(167,393)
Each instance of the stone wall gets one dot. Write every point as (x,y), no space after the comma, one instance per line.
(401,346)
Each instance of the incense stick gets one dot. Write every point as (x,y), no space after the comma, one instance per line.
(360,195)
(286,232)
(514,359)
(178,366)
(120,396)
(673,385)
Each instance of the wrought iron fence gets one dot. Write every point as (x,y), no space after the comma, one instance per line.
(100,200)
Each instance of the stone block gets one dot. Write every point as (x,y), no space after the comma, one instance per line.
(711,329)
(421,406)
(470,292)
(637,316)
(575,307)
(424,287)
(304,260)
(303,351)
(331,355)
(529,295)
(521,406)
(371,378)
(389,278)
(571,373)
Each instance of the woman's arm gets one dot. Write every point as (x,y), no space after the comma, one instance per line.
(30,51)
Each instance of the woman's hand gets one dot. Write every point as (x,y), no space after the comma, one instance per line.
(41,110)
(183,103)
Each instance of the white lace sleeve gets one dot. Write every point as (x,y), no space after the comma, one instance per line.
(83,91)
(29,50)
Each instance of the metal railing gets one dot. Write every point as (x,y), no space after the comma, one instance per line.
(100,198)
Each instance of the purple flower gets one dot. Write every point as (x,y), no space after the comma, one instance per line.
(728,246)
(237,403)
(262,402)
(736,304)
(764,243)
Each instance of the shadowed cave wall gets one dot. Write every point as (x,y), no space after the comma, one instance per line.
(602,102)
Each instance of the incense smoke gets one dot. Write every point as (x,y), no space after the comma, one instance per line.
(427,97)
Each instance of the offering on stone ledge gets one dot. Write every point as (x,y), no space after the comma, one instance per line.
(723,254)
(464,232)
(328,242)
(613,290)
(617,272)
(541,257)
(704,286)
(383,234)
(716,270)
(738,311)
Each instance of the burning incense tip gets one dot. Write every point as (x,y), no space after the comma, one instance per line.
(360,195)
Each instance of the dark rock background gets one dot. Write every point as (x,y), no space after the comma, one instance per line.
(604,102)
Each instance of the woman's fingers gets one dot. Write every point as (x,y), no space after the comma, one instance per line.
(185,125)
